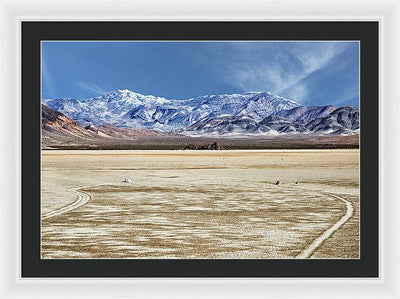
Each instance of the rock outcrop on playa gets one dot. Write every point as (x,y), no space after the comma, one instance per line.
(211,146)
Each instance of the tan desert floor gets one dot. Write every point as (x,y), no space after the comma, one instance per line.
(199,204)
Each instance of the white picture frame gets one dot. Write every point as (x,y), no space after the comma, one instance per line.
(386,12)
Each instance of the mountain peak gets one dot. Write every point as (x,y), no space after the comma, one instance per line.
(220,114)
(126,108)
(126,92)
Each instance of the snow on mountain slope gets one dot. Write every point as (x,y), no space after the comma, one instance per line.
(125,108)
(69,107)
(342,121)
(251,113)
(320,121)
(305,114)
(223,125)
(59,129)
(265,104)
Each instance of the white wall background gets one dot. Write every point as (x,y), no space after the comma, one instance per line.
(388,11)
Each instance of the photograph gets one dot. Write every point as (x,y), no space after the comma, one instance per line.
(200,149)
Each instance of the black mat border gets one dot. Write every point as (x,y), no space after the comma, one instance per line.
(34,32)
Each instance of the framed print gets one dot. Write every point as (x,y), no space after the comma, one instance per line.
(210,219)
(200,149)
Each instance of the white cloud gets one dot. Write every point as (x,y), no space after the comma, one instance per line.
(91,87)
(298,93)
(277,67)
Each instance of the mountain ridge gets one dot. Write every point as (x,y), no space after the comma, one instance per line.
(225,115)
(57,128)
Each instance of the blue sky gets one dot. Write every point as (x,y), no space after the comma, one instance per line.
(311,73)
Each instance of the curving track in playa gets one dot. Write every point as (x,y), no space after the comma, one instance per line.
(82,199)
(306,253)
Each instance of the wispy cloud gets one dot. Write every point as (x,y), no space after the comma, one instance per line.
(91,87)
(346,97)
(280,67)
(299,92)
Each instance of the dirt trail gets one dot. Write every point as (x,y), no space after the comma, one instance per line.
(82,198)
(329,232)
(198,204)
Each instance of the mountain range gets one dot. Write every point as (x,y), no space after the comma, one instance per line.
(58,128)
(247,114)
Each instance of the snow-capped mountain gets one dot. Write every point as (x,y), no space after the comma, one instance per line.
(59,129)
(252,113)
(305,114)
(122,108)
(125,108)
(341,121)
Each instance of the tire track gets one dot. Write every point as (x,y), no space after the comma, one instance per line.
(306,253)
(82,199)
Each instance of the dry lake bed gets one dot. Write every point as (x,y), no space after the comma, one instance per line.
(200,204)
